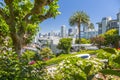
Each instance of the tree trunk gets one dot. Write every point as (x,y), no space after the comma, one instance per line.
(79,34)
(16,39)
(17,45)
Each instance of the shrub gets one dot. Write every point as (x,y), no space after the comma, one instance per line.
(82,40)
(105,53)
(74,68)
(13,67)
(46,53)
(110,50)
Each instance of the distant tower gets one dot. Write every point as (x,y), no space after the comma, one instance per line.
(63,31)
(70,31)
(105,21)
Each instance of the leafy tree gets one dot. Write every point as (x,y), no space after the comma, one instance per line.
(98,40)
(77,19)
(112,37)
(65,45)
(22,17)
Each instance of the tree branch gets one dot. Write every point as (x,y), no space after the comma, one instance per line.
(7,2)
(37,9)
(43,17)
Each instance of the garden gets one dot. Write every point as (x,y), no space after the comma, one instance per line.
(20,21)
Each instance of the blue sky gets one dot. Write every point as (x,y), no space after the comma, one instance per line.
(96,9)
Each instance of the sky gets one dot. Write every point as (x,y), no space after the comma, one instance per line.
(95,9)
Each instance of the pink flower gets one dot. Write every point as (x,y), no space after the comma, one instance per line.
(31,62)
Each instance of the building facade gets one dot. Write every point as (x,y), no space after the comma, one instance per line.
(63,31)
(90,33)
(108,23)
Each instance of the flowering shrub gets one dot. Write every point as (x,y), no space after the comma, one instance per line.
(32,62)
(46,53)
(22,68)
(74,68)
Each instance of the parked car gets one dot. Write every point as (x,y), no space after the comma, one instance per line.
(84,56)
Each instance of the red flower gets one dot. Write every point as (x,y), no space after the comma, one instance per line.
(118,48)
(45,59)
(31,62)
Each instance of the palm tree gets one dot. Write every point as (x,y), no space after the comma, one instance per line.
(77,19)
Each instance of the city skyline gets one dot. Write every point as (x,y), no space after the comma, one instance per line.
(95,9)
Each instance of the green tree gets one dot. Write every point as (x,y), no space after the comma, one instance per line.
(77,19)
(98,40)
(112,37)
(65,45)
(22,18)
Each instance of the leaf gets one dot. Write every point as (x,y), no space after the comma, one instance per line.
(117,60)
(111,72)
(87,69)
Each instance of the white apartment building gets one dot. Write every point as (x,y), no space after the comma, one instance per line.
(90,33)
(108,23)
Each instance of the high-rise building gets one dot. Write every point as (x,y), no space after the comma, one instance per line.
(63,31)
(90,33)
(107,23)
(70,31)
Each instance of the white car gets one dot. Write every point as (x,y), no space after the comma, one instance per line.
(85,56)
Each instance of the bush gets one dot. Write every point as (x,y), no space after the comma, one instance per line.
(13,67)
(110,50)
(74,68)
(105,53)
(82,40)
(46,53)
(114,61)
(65,45)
